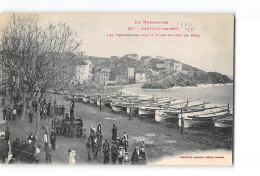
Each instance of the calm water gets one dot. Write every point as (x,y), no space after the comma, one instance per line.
(216,94)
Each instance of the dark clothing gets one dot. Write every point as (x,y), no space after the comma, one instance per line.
(30,149)
(3,150)
(114,133)
(15,149)
(114,153)
(22,152)
(53,140)
(135,158)
(48,156)
(30,116)
(7,135)
(4,114)
(32,138)
(142,158)
(106,151)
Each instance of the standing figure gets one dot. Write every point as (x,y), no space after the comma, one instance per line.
(37,154)
(95,147)
(23,153)
(16,148)
(106,151)
(121,155)
(135,157)
(30,116)
(4,113)
(3,149)
(53,139)
(30,151)
(45,140)
(125,141)
(48,155)
(32,138)
(7,134)
(114,152)
(142,157)
(72,154)
(88,147)
(114,132)
(14,113)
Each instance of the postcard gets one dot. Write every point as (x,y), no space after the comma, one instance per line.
(116,89)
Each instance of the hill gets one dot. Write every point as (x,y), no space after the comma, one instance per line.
(192,78)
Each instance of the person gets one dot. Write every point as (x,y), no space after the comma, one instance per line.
(53,139)
(3,101)
(100,100)
(72,154)
(7,134)
(143,144)
(45,140)
(106,151)
(16,148)
(126,159)
(93,129)
(72,114)
(4,113)
(30,151)
(8,114)
(32,138)
(125,141)
(37,154)
(14,113)
(114,152)
(142,157)
(95,147)
(135,157)
(3,149)
(99,128)
(114,132)
(182,126)
(48,155)
(30,116)
(121,155)
(62,110)
(23,153)
(72,103)
(88,147)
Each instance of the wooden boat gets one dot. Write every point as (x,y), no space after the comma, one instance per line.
(203,118)
(118,107)
(226,122)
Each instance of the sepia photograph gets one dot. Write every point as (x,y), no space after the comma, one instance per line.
(117,89)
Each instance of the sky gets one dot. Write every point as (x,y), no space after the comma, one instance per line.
(211,51)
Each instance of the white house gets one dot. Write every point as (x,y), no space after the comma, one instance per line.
(84,72)
(139,76)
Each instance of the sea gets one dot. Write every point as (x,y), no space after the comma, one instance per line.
(219,94)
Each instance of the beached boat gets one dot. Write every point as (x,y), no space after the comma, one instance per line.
(226,122)
(203,118)
(118,107)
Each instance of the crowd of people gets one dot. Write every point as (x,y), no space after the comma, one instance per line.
(118,150)
(114,150)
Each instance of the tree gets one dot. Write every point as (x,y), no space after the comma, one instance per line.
(37,55)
